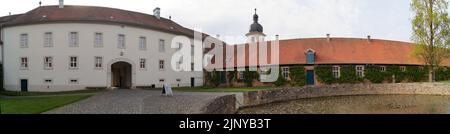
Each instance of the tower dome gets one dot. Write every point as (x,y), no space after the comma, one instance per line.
(256,27)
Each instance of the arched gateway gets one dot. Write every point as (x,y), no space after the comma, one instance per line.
(121,73)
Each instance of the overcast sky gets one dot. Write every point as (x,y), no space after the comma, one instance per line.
(384,19)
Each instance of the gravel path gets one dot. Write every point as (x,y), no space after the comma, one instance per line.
(136,101)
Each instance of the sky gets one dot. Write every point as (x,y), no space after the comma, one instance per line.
(381,19)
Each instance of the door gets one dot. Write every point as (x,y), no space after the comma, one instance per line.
(192,82)
(24,85)
(310,77)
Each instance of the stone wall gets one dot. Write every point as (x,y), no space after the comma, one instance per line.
(221,105)
(291,93)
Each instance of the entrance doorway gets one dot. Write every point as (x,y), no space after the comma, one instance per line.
(24,85)
(192,82)
(121,75)
(310,77)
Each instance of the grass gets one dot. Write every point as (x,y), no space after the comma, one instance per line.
(14,93)
(207,89)
(36,105)
(446,81)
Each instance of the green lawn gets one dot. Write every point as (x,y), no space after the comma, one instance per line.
(203,89)
(14,93)
(446,81)
(36,105)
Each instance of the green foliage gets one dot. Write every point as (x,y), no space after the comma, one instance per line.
(325,74)
(249,76)
(280,81)
(443,73)
(297,75)
(348,74)
(415,73)
(393,70)
(213,78)
(431,33)
(373,74)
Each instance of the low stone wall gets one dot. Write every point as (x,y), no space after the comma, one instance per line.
(290,93)
(221,105)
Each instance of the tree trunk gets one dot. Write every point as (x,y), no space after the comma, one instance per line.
(430,74)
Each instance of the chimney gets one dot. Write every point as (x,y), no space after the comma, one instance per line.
(277,37)
(368,38)
(156,12)
(328,37)
(61,3)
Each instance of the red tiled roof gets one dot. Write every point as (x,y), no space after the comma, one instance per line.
(94,14)
(336,51)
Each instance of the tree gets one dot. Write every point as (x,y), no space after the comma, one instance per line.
(430,27)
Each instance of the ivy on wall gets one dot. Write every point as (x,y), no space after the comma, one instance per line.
(374,74)
(348,74)
(280,81)
(297,75)
(325,74)
(443,73)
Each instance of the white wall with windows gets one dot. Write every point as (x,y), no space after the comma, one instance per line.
(73,56)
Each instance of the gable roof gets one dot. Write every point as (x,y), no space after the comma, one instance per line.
(333,51)
(93,14)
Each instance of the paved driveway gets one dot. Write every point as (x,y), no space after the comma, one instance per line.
(136,101)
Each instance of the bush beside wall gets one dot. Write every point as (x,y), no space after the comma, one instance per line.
(297,75)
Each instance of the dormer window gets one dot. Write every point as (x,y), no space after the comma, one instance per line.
(310,56)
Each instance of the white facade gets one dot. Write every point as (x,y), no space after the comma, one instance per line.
(79,40)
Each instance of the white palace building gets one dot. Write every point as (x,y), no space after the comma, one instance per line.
(64,48)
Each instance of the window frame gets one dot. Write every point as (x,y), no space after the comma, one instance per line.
(98,40)
(24,38)
(73,79)
(360,71)
(24,65)
(48,39)
(285,72)
(73,39)
(336,70)
(142,63)
(76,63)
(383,68)
(402,68)
(161,66)
(121,41)
(142,43)
(46,82)
(96,63)
(48,64)
(161,45)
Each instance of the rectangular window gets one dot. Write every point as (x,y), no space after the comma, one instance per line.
(241,75)
(98,62)
(98,42)
(73,81)
(336,71)
(192,50)
(360,71)
(161,64)
(24,63)
(121,41)
(383,68)
(24,40)
(192,66)
(161,80)
(73,39)
(285,72)
(48,81)
(48,39)
(73,64)
(48,63)
(142,43)
(162,45)
(142,63)
(403,68)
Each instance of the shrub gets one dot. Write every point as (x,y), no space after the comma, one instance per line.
(415,73)
(249,76)
(348,74)
(325,74)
